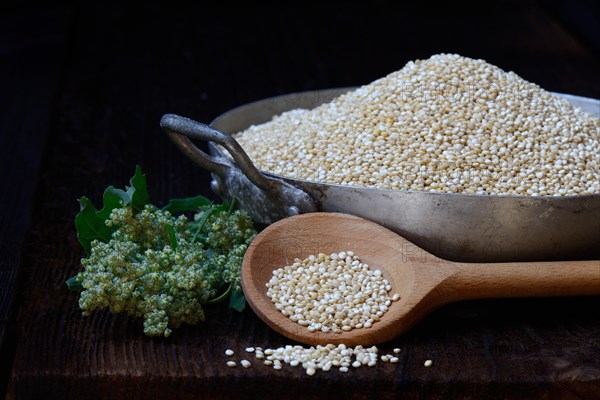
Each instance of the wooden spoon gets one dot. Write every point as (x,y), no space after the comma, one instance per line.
(423,281)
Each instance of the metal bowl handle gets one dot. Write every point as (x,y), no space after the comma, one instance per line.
(181,129)
(267,199)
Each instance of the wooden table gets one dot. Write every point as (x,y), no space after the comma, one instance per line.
(82,94)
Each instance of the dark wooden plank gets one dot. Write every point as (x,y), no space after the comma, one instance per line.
(30,63)
(130,65)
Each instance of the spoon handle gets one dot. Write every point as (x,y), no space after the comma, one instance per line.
(531,279)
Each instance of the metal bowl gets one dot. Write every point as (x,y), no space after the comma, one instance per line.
(459,227)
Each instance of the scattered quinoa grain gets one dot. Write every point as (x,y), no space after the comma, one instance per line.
(229,352)
(428,363)
(250,349)
(322,357)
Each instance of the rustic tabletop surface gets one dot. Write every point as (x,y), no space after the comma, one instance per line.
(83,90)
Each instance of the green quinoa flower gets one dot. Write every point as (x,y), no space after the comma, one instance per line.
(148,263)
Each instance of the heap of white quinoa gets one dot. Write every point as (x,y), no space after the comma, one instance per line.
(331,293)
(446,124)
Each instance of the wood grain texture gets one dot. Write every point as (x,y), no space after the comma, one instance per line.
(423,281)
(128,65)
(33,57)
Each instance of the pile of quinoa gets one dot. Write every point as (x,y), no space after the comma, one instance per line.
(446,124)
(331,293)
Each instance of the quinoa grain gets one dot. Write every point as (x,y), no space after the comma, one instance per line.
(334,293)
(446,124)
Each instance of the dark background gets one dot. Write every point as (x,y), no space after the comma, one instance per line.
(82,89)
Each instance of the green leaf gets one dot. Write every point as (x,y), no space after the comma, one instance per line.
(74,284)
(172,236)
(112,199)
(90,225)
(186,204)
(207,213)
(237,301)
(138,190)
(221,297)
(231,207)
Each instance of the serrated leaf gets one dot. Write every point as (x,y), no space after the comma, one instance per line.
(172,236)
(237,301)
(186,204)
(138,191)
(112,199)
(90,225)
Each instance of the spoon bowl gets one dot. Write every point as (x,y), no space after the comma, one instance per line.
(423,281)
